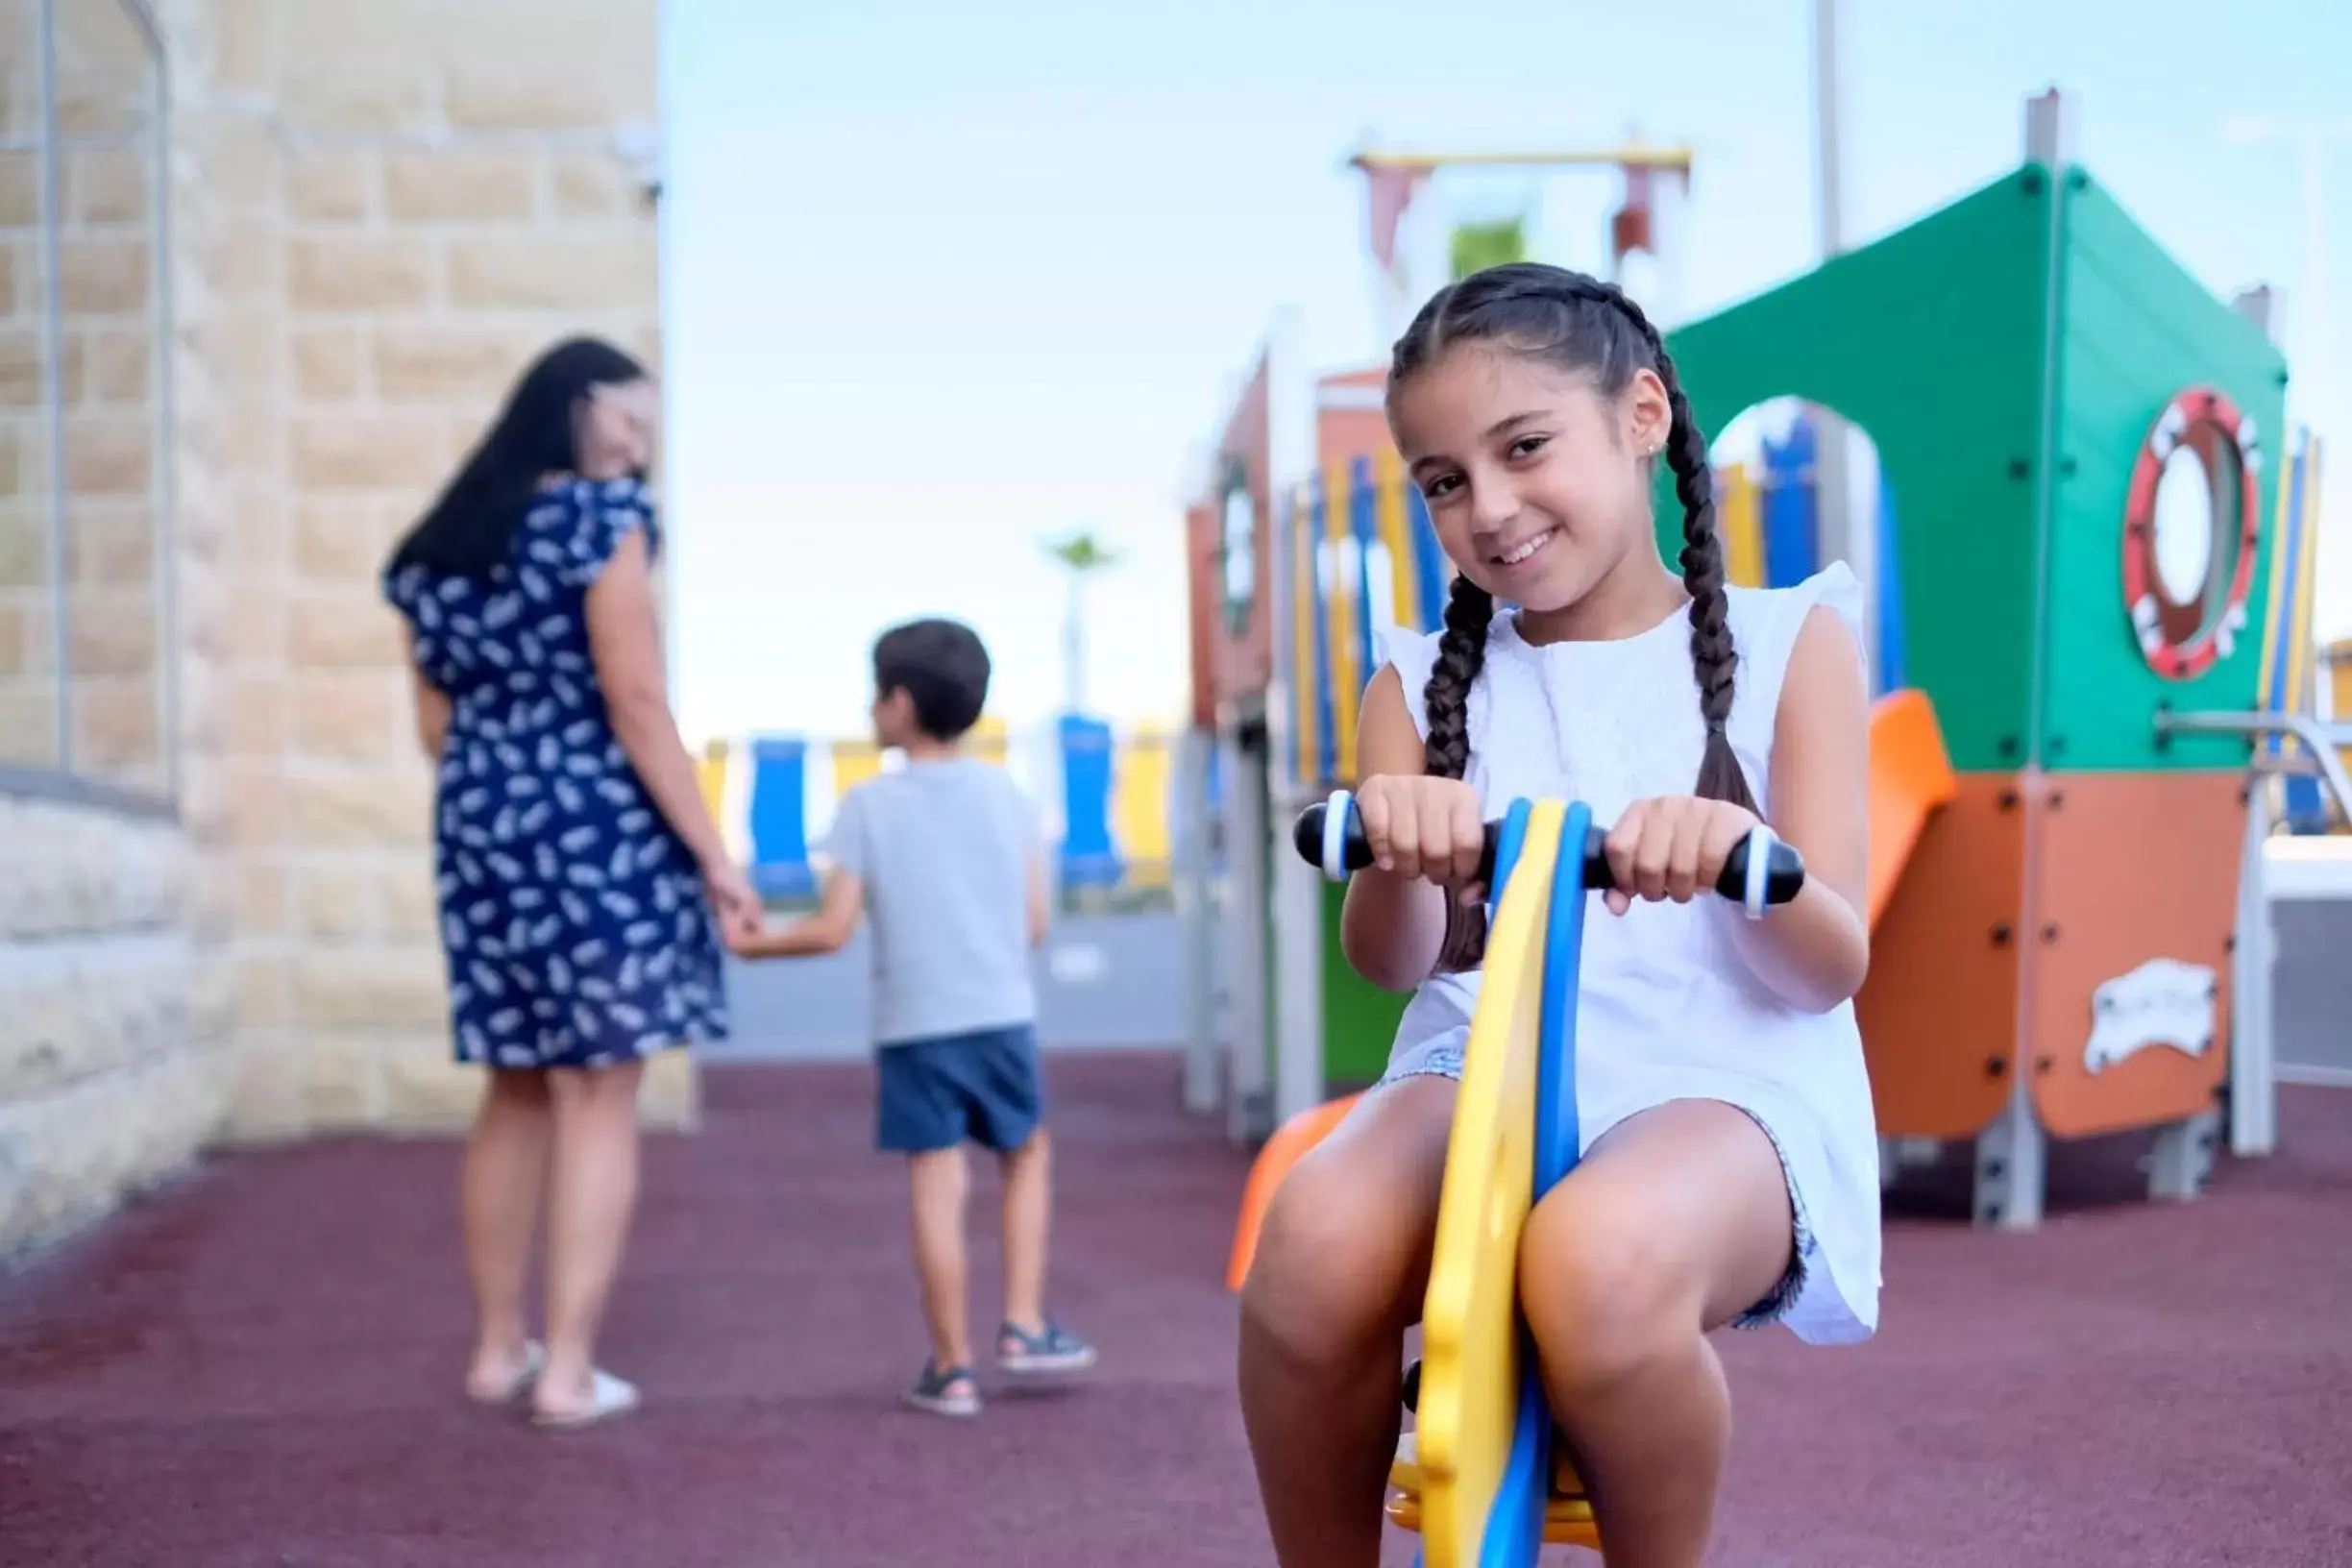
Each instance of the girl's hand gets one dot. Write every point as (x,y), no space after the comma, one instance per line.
(1672,846)
(1419,827)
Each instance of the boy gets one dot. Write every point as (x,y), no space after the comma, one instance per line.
(944,856)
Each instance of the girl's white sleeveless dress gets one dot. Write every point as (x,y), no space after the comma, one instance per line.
(1669,1009)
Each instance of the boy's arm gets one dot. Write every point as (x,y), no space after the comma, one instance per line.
(1040,874)
(827,931)
(841,905)
(1041,897)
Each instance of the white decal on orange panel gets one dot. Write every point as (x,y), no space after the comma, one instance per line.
(2163,1002)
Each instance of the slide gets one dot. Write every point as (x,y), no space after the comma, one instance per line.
(1275,1157)
(1910,776)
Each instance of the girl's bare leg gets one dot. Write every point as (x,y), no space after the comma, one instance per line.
(1342,1265)
(1675,1223)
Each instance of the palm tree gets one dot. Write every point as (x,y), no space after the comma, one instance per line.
(1082,555)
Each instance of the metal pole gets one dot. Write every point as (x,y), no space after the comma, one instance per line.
(2310,139)
(1840,534)
(2253,1104)
(2253,1082)
(1826,148)
(2012,1154)
(2318,378)
(1195,872)
(1250,930)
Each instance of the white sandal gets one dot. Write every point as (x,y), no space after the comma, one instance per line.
(608,1396)
(535,1361)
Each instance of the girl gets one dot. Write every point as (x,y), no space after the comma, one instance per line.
(1731,1155)
(579,872)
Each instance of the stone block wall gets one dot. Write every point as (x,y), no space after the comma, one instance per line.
(378,213)
(115,1058)
(116,1055)
(449,202)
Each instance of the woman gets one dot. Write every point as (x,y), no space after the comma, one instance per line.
(579,867)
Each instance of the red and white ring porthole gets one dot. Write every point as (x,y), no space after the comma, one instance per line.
(2189,529)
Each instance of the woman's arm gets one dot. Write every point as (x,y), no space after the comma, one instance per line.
(1815,950)
(1392,927)
(432,706)
(628,667)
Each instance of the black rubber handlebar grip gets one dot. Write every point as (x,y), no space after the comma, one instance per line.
(1783,873)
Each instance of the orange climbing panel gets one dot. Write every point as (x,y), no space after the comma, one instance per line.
(1939,1008)
(2128,994)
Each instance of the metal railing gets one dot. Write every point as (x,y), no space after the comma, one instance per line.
(101,87)
(2253,1098)
(2320,742)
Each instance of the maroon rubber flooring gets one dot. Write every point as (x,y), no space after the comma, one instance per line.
(259,1367)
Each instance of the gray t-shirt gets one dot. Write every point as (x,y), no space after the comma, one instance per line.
(944,850)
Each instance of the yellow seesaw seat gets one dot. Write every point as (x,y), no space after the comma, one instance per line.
(1568,1518)
(1446,1475)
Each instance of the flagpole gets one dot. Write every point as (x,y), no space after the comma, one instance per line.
(1845,531)
(1830,211)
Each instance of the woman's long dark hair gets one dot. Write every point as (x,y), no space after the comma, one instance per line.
(471,529)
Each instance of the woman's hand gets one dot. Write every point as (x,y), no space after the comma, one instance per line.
(1672,846)
(1424,827)
(735,904)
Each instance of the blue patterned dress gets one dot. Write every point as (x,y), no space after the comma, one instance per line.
(573,914)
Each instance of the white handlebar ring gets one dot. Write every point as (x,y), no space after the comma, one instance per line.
(1334,834)
(1760,865)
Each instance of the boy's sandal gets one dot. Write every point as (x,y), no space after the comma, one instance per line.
(937,1390)
(1052,1349)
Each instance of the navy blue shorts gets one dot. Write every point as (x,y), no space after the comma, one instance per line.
(984,1086)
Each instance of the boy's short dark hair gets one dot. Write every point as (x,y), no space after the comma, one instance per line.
(942,667)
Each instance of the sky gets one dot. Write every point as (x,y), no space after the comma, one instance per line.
(944,280)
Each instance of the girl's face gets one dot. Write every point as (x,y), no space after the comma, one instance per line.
(617,425)
(1537,484)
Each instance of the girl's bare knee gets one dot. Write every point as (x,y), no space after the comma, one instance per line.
(1606,1291)
(1326,1282)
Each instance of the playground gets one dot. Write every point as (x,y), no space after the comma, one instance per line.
(2129,1387)
(2110,888)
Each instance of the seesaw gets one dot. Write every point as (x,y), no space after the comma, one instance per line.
(1479,1478)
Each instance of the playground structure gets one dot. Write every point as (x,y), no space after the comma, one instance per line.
(1107,795)
(2092,635)
(1409,251)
